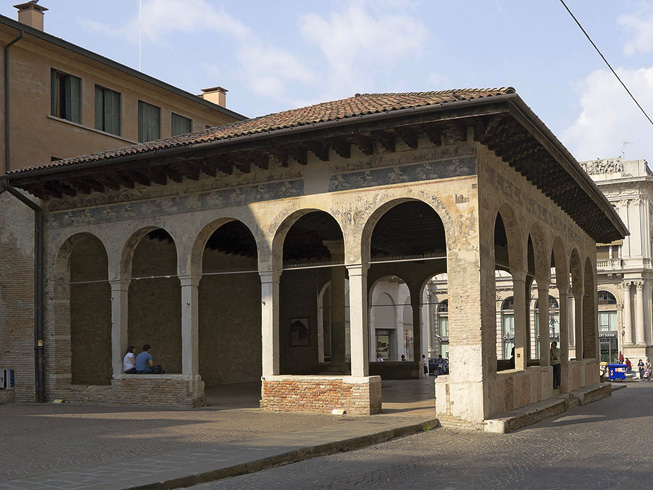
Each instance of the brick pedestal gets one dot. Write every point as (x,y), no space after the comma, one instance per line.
(356,395)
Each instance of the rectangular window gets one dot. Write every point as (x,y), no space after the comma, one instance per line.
(149,122)
(443,326)
(107,110)
(180,125)
(66,96)
(607,321)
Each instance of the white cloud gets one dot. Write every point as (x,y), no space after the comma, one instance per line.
(640,29)
(269,70)
(360,42)
(609,117)
(161,17)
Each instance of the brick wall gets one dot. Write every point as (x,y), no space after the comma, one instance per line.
(143,390)
(322,394)
(16,294)
(229,320)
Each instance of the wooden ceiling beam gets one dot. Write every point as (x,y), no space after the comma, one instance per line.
(364,144)
(279,155)
(410,137)
(341,147)
(299,155)
(320,150)
(386,139)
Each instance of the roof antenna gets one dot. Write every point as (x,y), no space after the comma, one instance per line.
(623,151)
(140,35)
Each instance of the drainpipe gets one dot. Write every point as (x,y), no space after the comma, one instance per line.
(7,115)
(38,289)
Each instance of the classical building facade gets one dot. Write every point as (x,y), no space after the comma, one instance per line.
(625,273)
(260,243)
(61,100)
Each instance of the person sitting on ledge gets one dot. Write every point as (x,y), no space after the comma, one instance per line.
(144,361)
(129,361)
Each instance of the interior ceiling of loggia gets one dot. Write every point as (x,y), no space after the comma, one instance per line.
(410,229)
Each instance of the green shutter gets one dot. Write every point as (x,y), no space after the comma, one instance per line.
(149,122)
(180,125)
(73,99)
(112,112)
(99,109)
(54,93)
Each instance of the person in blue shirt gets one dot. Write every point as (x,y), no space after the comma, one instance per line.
(144,361)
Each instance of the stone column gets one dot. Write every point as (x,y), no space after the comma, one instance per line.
(564,338)
(578,316)
(119,320)
(543,313)
(358,331)
(639,322)
(520,319)
(628,328)
(338,316)
(189,324)
(270,322)
(417,326)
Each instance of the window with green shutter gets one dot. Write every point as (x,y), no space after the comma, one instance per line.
(149,122)
(180,125)
(66,96)
(107,110)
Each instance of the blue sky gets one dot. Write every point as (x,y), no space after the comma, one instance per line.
(279,55)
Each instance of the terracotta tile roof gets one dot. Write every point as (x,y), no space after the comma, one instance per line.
(358,105)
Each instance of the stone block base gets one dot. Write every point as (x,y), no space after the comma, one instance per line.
(322,394)
(154,390)
(7,396)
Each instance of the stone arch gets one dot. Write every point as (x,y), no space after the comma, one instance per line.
(378,212)
(542,252)
(576,273)
(229,303)
(308,247)
(150,265)
(199,243)
(388,295)
(514,236)
(282,225)
(81,283)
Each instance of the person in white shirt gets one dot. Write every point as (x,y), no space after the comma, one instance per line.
(129,361)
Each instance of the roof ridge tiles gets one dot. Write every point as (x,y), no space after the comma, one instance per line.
(354,106)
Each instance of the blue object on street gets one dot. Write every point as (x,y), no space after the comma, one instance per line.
(616,371)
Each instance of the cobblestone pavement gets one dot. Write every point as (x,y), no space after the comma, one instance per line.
(80,446)
(605,445)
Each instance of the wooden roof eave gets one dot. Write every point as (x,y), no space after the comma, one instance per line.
(521,112)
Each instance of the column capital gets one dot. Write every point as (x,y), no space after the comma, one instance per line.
(626,285)
(120,284)
(270,276)
(639,285)
(357,269)
(190,280)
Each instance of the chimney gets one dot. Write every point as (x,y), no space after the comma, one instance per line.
(217,95)
(31,14)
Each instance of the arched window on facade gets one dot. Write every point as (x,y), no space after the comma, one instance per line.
(443,328)
(508,326)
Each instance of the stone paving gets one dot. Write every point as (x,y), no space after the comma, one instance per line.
(73,446)
(606,444)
